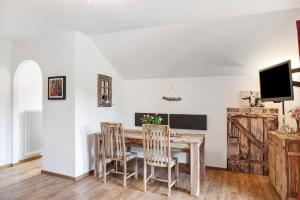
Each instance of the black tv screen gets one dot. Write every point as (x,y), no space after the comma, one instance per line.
(276,83)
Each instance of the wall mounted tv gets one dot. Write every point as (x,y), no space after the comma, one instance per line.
(276,83)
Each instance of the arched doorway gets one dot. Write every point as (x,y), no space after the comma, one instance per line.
(27,100)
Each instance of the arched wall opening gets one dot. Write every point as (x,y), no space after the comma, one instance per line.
(28,100)
(5,117)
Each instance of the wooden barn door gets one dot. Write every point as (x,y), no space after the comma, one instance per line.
(247,138)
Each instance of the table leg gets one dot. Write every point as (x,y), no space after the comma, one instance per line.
(195,169)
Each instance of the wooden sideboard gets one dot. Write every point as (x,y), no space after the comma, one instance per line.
(284,164)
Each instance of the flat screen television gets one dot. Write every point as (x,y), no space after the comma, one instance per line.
(276,83)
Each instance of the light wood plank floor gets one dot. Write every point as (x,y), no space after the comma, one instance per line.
(25,182)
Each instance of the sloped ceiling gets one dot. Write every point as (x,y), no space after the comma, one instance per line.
(231,46)
(170,38)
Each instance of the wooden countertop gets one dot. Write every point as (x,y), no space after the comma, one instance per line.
(285,136)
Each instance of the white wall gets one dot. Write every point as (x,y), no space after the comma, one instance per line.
(56,56)
(90,62)
(68,125)
(207,95)
(28,83)
(5,103)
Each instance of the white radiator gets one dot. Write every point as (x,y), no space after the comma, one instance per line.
(32,132)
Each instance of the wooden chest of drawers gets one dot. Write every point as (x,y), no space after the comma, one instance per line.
(284,164)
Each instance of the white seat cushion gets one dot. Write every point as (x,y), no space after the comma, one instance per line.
(130,155)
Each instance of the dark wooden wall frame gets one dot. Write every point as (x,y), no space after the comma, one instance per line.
(187,121)
(178,121)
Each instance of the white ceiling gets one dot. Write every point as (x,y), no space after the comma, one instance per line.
(231,46)
(170,38)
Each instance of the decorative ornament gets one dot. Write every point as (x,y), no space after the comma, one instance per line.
(172,95)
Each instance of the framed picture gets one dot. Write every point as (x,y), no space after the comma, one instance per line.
(57,88)
(104,91)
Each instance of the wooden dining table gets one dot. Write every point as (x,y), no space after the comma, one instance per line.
(193,143)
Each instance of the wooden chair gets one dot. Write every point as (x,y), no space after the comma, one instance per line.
(114,149)
(157,153)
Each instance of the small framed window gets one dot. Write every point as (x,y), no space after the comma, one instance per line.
(104,91)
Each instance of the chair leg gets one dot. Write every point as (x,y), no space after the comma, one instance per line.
(136,168)
(104,170)
(116,165)
(125,174)
(152,171)
(128,148)
(169,180)
(145,176)
(177,173)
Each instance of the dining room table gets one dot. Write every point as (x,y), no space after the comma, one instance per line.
(192,143)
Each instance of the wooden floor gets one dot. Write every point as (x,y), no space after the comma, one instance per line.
(26,182)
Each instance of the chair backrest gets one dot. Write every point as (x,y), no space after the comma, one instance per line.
(156,142)
(113,140)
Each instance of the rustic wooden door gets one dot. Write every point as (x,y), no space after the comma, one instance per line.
(247,138)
